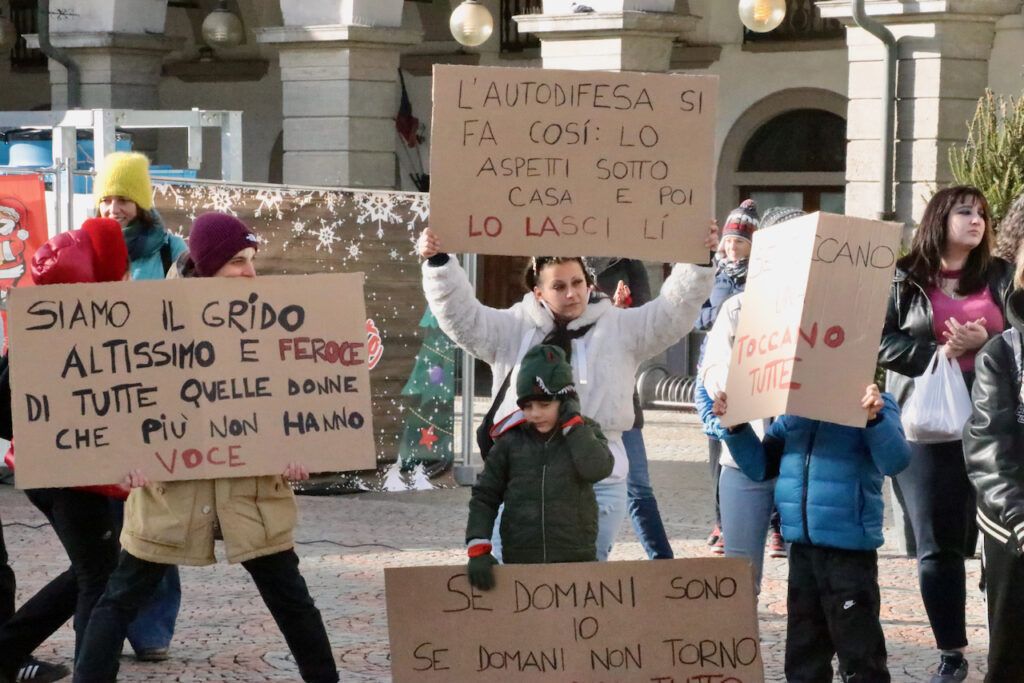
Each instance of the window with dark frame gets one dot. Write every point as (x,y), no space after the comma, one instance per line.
(23,58)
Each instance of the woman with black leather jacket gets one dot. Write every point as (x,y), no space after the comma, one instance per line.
(994,450)
(948,295)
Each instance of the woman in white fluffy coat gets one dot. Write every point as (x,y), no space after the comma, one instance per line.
(604,359)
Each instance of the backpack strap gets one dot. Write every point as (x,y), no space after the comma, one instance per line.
(165,256)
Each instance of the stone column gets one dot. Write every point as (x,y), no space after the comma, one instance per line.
(118,70)
(339,102)
(943,69)
(613,40)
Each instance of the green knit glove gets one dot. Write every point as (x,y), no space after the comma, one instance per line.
(481,571)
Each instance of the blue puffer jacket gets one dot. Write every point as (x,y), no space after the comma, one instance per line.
(829,491)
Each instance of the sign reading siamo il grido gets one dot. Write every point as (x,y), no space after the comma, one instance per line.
(189,379)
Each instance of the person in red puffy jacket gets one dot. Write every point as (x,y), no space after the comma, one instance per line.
(81,517)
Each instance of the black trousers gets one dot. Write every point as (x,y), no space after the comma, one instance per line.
(833,607)
(7,586)
(280,585)
(939,500)
(1004,593)
(86,529)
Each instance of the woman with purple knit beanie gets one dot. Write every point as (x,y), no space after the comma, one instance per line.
(220,245)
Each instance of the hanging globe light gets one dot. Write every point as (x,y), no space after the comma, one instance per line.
(222,27)
(471,23)
(762,16)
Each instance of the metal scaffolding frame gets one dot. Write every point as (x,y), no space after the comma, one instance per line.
(104,124)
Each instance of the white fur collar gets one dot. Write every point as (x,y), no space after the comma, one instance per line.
(542,318)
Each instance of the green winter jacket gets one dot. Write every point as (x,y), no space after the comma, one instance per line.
(546,483)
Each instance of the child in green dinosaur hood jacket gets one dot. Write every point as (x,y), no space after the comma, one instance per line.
(543,468)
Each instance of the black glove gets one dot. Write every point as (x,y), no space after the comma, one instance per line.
(569,408)
(481,571)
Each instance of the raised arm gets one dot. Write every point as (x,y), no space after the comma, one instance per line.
(478,329)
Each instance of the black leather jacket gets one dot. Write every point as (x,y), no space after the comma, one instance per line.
(908,336)
(994,436)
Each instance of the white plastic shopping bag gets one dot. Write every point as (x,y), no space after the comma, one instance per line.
(940,405)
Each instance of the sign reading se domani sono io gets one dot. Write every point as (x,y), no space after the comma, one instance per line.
(813,308)
(569,163)
(673,620)
(189,379)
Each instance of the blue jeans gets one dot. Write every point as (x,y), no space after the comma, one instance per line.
(642,506)
(153,627)
(611,511)
(746,511)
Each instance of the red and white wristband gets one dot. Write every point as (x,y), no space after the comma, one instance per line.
(478,547)
(567,427)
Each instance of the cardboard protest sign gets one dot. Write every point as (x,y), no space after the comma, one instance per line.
(565,163)
(676,620)
(813,309)
(189,379)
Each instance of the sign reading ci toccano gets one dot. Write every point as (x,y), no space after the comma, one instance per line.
(807,339)
(531,161)
(675,620)
(189,379)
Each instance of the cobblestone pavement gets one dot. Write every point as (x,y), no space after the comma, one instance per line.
(225,633)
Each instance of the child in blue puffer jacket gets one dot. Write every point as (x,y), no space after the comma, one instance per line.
(829,494)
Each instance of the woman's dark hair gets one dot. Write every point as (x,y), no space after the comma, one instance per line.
(146,217)
(531,276)
(924,261)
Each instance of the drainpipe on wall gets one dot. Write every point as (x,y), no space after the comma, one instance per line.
(878,30)
(59,55)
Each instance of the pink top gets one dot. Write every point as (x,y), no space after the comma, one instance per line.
(971,307)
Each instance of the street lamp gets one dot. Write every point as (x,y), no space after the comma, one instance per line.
(222,27)
(762,16)
(471,24)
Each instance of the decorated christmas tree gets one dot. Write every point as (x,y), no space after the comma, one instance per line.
(430,416)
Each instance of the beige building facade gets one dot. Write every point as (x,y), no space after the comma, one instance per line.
(318,81)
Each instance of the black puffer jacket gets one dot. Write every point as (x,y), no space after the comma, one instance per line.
(546,483)
(994,435)
(908,336)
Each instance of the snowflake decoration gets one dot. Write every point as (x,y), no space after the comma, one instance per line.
(420,206)
(377,207)
(222,199)
(270,202)
(298,228)
(393,254)
(326,237)
(354,251)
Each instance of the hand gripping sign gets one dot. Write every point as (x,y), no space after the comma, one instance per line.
(813,308)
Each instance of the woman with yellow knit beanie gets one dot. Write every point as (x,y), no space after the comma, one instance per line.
(123,192)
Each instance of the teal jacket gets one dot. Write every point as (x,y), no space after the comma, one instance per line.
(145,246)
(547,485)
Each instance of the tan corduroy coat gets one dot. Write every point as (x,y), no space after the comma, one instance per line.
(175,522)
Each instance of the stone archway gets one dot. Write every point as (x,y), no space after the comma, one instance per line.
(730,179)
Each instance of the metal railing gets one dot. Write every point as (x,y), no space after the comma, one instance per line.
(803,22)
